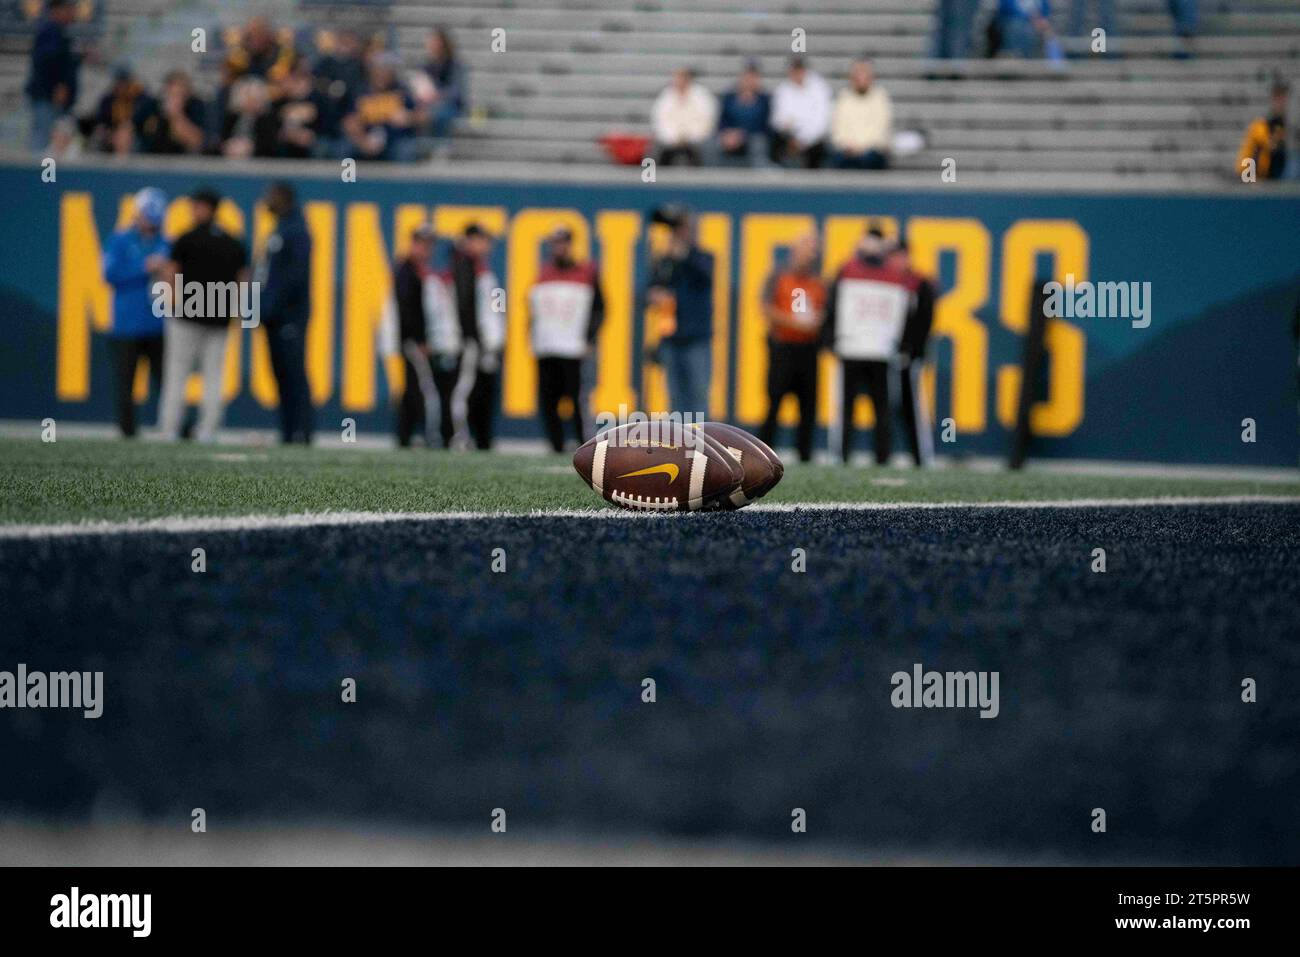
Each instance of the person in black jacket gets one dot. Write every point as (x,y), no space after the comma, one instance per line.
(911,358)
(480,307)
(211,257)
(408,291)
(52,82)
(285,276)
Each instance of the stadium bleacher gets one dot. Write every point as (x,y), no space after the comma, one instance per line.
(574,70)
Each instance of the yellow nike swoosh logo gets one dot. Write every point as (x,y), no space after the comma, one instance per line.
(667,468)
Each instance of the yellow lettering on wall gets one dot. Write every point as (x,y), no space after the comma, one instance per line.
(715,237)
(367,285)
(523,257)
(760,236)
(261,379)
(618,231)
(1063,342)
(322,224)
(83,296)
(954,314)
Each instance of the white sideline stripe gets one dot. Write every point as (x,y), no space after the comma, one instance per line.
(239,523)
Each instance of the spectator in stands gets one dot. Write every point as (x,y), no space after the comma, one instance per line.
(1264,144)
(52,81)
(114,129)
(1025,28)
(175,122)
(744,119)
(565,311)
(135,258)
(257,52)
(1185,16)
(340,75)
(299,113)
(684,116)
(205,254)
(483,326)
(801,116)
(794,303)
(251,127)
(65,140)
(284,272)
(253,52)
(445,97)
(680,292)
(381,125)
(862,125)
(954,23)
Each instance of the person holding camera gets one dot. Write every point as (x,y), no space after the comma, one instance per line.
(680,297)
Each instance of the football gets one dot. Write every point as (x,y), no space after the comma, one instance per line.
(761,466)
(658,466)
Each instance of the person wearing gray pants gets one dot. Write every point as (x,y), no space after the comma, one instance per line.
(209,266)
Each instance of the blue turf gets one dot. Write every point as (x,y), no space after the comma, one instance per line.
(522,690)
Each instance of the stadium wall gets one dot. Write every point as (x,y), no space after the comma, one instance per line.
(1219,347)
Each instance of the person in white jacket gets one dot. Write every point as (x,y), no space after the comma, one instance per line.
(862,126)
(801,116)
(685,116)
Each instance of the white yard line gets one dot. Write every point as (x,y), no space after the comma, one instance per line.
(239,523)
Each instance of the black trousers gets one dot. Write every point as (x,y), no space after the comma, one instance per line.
(481,406)
(909,396)
(792,367)
(410,407)
(288,342)
(436,374)
(560,378)
(127,354)
(872,377)
(684,155)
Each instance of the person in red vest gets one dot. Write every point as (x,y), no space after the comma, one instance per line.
(565,310)
(794,304)
(867,309)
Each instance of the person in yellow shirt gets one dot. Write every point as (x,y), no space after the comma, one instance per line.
(862,124)
(1265,141)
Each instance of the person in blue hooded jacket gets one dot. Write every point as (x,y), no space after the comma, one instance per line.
(135,259)
(285,275)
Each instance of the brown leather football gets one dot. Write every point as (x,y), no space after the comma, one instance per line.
(761,466)
(658,466)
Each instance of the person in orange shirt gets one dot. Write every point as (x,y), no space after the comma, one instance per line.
(1265,139)
(794,304)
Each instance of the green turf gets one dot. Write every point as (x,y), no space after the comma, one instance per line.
(83,479)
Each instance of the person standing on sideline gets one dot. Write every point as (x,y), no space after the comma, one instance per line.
(52,81)
(135,259)
(480,305)
(867,307)
(284,272)
(418,395)
(681,290)
(209,255)
(794,303)
(911,356)
(565,310)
